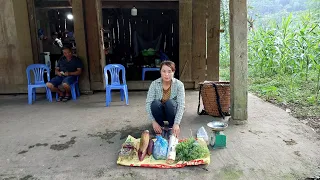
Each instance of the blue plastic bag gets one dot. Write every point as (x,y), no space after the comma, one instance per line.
(160,148)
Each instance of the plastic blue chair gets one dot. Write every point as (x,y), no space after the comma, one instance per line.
(145,69)
(75,91)
(38,72)
(114,70)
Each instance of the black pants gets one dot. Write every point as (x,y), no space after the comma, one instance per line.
(164,112)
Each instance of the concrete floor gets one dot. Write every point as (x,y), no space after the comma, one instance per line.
(81,140)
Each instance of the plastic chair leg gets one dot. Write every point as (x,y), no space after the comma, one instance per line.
(126,95)
(34,94)
(121,94)
(73,92)
(143,74)
(108,96)
(49,95)
(77,89)
(30,94)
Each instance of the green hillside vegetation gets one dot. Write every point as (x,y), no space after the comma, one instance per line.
(283,52)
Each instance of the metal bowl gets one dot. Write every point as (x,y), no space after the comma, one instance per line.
(217,126)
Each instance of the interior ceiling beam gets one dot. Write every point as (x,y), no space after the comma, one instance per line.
(142,0)
(114,4)
(53,4)
(140,5)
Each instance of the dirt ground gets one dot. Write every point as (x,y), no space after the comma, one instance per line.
(299,112)
(81,140)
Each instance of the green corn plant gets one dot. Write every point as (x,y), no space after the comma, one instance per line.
(283,55)
(317,62)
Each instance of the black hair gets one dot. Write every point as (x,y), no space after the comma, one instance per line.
(170,64)
(67,47)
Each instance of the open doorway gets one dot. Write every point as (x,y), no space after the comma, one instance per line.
(143,39)
(55,28)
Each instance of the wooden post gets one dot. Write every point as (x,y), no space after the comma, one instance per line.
(185,40)
(93,45)
(101,40)
(238,61)
(80,36)
(33,30)
(199,41)
(213,40)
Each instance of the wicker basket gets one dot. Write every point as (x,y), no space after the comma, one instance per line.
(216,98)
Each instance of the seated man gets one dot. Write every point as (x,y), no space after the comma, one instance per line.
(67,70)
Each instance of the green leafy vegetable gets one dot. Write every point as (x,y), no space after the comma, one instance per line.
(190,150)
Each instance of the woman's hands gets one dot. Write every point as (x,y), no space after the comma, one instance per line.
(156,127)
(176,129)
(158,130)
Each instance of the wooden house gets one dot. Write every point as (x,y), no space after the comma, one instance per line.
(189,32)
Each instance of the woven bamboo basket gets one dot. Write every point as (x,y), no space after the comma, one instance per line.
(210,98)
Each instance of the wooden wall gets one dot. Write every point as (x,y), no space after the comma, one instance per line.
(213,38)
(185,40)
(18,37)
(15,46)
(199,40)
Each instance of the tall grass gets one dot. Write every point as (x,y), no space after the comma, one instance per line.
(284,62)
